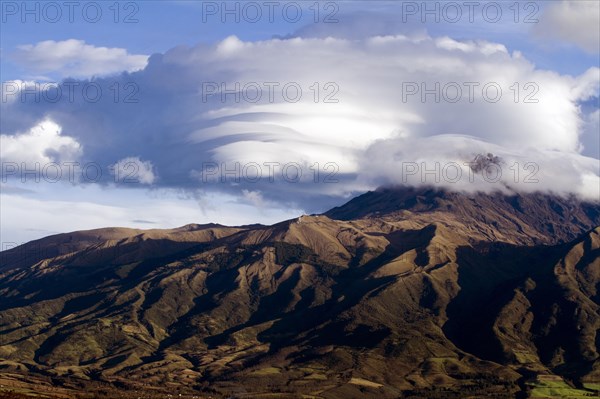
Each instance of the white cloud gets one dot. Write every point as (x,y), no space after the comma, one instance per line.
(179,129)
(133,170)
(254,197)
(446,160)
(42,144)
(573,21)
(13,90)
(587,85)
(75,58)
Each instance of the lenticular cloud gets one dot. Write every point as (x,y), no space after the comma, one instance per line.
(371,107)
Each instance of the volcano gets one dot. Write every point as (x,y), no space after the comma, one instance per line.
(401,292)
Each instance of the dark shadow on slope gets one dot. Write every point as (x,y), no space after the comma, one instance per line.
(320,325)
(488,277)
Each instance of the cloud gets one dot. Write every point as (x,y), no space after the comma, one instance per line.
(572,21)
(75,58)
(42,144)
(449,160)
(365,105)
(14,90)
(254,197)
(587,85)
(143,221)
(133,170)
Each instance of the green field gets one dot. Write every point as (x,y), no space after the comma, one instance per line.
(558,389)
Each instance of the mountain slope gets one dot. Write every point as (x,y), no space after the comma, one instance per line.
(520,218)
(68,243)
(436,295)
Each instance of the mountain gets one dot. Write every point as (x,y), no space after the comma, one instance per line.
(415,293)
(522,219)
(95,240)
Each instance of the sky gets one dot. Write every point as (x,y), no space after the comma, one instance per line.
(156,114)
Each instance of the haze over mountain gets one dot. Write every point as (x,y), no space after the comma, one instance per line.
(400,292)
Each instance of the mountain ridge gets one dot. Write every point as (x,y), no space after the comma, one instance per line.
(421,299)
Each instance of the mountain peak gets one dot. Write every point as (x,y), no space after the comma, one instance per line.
(537,217)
